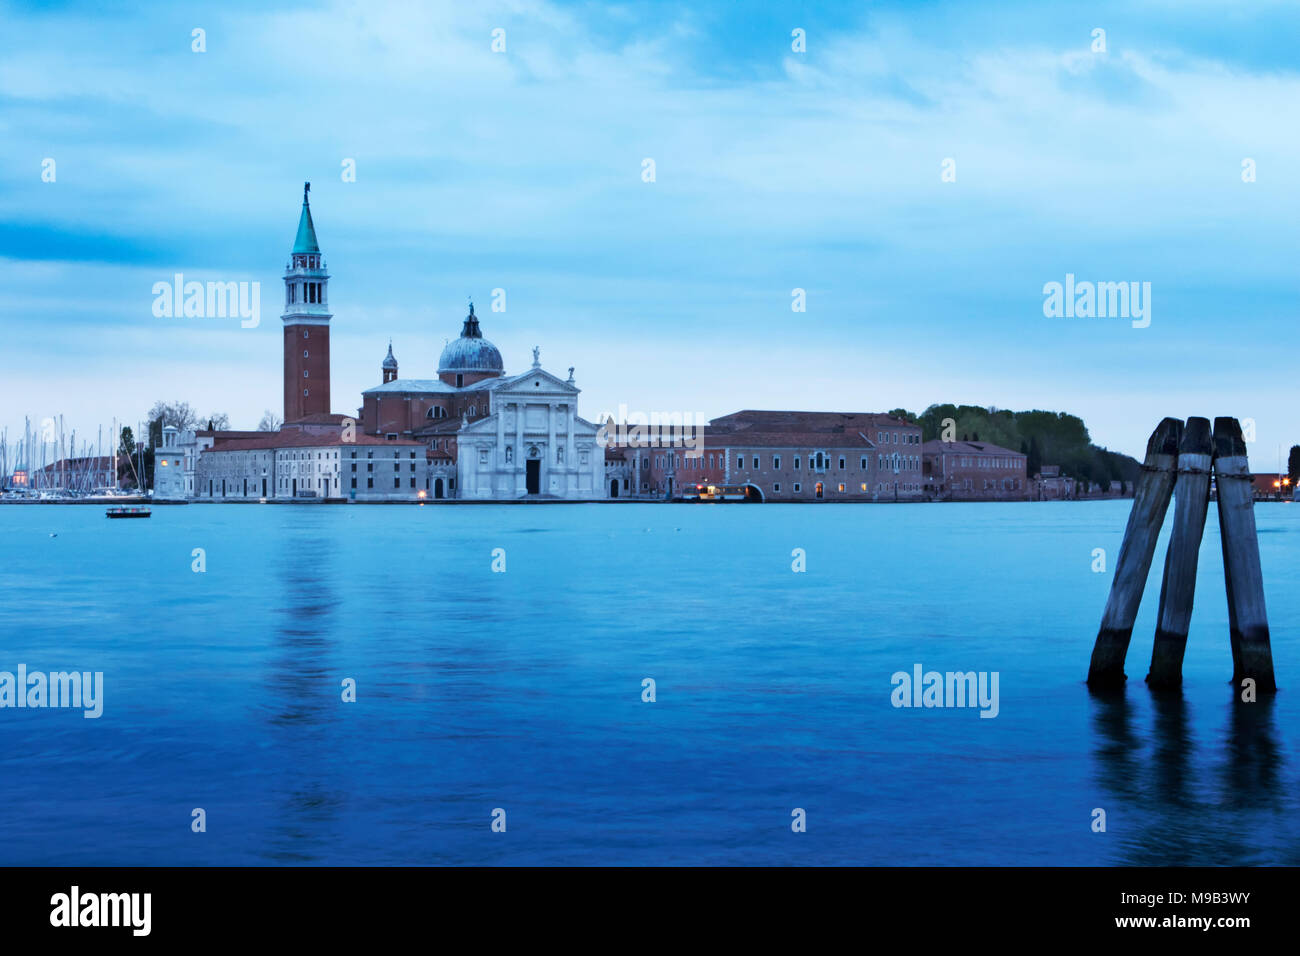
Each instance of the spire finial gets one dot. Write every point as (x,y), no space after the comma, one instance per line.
(306,188)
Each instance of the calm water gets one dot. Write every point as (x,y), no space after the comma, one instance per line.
(478,690)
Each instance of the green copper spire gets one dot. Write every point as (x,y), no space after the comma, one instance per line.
(306,239)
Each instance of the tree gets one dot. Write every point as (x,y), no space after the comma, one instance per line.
(1034,464)
(1293,465)
(218,420)
(177,414)
(270,422)
(128,460)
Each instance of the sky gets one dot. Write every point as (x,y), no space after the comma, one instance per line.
(920,170)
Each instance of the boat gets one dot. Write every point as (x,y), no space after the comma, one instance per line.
(128,511)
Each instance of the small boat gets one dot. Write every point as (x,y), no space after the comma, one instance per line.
(128,511)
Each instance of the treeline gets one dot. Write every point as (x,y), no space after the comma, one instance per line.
(1045,438)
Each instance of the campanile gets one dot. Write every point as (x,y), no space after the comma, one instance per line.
(306,324)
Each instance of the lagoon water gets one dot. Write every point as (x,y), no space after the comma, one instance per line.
(522,690)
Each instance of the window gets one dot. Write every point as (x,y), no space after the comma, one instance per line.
(841,466)
(864,486)
(841,486)
(740,462)
(304,393)
(776,466)
(370,482)
(304,353)
(796,468)
(796,487)
(460,380)
(776,487)
(305,333)
(354,482)
(397,482)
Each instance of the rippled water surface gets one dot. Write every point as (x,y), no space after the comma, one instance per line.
(522,690)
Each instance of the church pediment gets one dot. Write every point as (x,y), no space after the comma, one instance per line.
(535,381)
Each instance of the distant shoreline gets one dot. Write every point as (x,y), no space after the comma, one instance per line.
(516,501)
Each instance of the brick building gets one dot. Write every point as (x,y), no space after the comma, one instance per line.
(974,471)
(790,456)
(1050,485)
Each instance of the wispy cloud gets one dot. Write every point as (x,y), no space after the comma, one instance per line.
(775,169)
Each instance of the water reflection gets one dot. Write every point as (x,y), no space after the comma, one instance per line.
(1180,796)
(301,723)
(1251,772)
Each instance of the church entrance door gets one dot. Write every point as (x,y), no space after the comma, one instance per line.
(534,477)
(437,487)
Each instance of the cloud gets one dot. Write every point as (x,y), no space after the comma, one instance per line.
(774,169)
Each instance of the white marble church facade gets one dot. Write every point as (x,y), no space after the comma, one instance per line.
(532,443)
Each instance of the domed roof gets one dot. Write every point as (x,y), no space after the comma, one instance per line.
(389,361)
(471,352)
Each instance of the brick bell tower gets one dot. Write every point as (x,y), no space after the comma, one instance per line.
(306,324)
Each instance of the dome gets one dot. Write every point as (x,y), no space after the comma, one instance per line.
(389,361)
(471,352)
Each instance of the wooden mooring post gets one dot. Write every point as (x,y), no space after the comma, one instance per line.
(1191,504)
(1184,458)
(1150,502)
(1252,654)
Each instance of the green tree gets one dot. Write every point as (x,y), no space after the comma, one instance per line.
(1293,465)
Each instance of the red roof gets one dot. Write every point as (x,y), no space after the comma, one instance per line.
(772,421)
(934,446)
(306,439)
(222,434)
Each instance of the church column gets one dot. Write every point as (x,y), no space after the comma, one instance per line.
(498,479)
(550,445)
(571,465)
(520,455)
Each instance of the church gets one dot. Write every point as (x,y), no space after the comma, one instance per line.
(490,436)
(486,435)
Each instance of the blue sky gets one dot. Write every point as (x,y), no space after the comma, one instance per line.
(775,170)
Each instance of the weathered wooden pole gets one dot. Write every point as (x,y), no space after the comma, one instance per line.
(1191,503)
(1252,655)
(1150,501)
